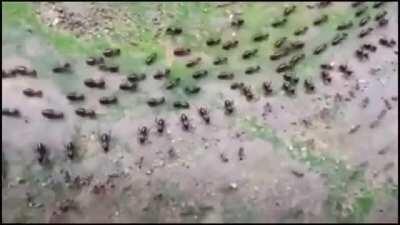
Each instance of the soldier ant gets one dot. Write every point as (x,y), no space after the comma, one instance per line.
(339,38)
(70,149)
(105,141)
(387,43)
(326,78)
(361,11)
(200,74)
(229,108)
(13,112)
(225,76)
(82,112)
(223,158)
(237,22)
(66,67)
(128,86)
(361,55)
(185,121)
(192,89)
(296,45)
(291,78)
(300,31)
(289,10)
(5,74)
(283,67)
(309,86)
(380,15)
(151,58)
(32,93)
(237,85)
(52,114)
(204,114)
(42,153)
(377,4)
(249,53)
(278,43)
(267,88)
(193,62)
(143,134)
(173,83)
(91,61)
(161,74)
(160,125)
(181,105)
(74,96)
(23,71)
(246,91)
(108,100)
(252,69)
(152,102)
(344,25)
(345,70)
(365,32)
(288,88)
(383,22)
(230,44)
(182,51)
(109,52)
(173,31)
(320,20)
(279,22)
(220,60)
(326,66)
(296,59)
(364,20)
(92,83)
(241,153)
(136,77)
(213,41)
(319,49)
(260,37)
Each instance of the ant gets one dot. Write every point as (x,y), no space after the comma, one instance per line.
(160,125)
(85,112)
(200,74)
(228,105)
(52,114)
(151,58)
(70,149)
(108,100)
(185,121)
(204,114)
(92,83)
(267,88)
(32,93)
(152,102)
(105,141)
(13,112)
(66,67)
(74,96)
(173,83)
(143,134)
(109,52)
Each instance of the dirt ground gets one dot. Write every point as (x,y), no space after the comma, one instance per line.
(306,158)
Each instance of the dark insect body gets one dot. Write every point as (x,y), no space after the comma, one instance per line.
(108,100)
(52,114)
(92,83)
(152,102)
